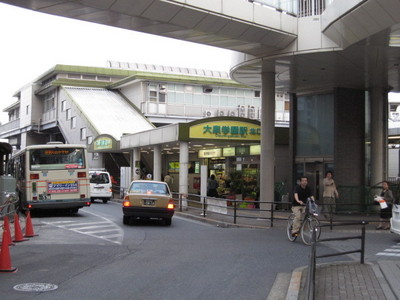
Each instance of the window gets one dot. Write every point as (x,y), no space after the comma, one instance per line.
(49,101)
(257,94)
(64,105)
(74,76)
(27,110)
(83,134)
(89,140)
(88,77)
(162,93)
(103,78)
(287,105)
(73,122)
(153,96)
(68,114)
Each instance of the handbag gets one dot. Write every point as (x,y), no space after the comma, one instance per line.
(381,202)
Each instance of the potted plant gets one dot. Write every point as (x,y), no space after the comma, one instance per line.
(236,185)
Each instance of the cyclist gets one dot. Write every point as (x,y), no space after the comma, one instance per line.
(301,193)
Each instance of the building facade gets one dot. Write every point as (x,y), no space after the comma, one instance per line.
(100,106)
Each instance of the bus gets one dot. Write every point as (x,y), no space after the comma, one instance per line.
(51,176)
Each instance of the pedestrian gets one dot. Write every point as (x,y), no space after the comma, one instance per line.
(386,213)
(301,193)
(329,195)
(169,180)
(212,185)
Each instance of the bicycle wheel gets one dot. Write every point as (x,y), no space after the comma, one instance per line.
(289,228)
(307,228)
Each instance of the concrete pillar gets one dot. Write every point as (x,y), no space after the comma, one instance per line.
(157,162)
(135,163)
(267,165)
(183,171)
(378,135)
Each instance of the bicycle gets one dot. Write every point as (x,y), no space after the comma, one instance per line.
(309,223)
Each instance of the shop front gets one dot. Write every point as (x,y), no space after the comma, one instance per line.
(229,147)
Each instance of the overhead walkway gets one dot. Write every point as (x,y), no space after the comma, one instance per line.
(104,111)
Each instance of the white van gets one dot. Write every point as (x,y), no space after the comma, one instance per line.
(100,186)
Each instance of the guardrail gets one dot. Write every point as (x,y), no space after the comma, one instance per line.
(8,206)
(312,265)
(234,211)
(230,209)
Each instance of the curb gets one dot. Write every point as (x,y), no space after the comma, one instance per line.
(222,224)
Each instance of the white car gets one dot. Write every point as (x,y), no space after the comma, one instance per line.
(395,219)
(100,186)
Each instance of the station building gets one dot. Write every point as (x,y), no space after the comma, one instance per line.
(338,60)
(141,119)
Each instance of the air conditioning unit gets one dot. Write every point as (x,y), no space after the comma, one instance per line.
(242,111)
(394,115)
(251,112)
(232,113)
(208,113)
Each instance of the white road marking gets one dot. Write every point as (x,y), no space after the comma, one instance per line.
(103,226)
(392,251)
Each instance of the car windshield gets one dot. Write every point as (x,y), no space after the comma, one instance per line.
(149,188)
(99,178)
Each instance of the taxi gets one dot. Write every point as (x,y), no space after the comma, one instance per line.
(148,199)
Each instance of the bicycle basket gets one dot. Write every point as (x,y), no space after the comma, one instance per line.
(312,207)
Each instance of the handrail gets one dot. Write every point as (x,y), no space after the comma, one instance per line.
(314,256)
(234,210)
(9,206)
(206,204)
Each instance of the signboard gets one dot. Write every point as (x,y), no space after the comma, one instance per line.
(232,130)
(210,153)
(103,143)
(229,151)
(255,149)
(173,167)
(242,150)
(64,186)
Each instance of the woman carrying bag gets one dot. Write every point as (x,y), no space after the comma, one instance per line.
(386,212)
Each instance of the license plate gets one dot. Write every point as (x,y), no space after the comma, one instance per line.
(149,202)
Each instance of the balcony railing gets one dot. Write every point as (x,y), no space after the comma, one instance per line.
(8,127)
(192,111)
(300,8)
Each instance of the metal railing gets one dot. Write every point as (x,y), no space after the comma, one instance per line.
(314,256)
(8,207)
(229,210)
(246,211)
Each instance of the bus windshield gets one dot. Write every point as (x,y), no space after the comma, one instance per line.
(57,158)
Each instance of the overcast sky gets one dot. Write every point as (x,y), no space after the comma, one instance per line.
(32,43)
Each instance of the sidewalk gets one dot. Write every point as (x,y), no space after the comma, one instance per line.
(336,281)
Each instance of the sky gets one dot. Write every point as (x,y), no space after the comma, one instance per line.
(32,43)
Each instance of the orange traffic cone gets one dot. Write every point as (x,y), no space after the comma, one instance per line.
(5,259)
(28,226)
(18,236)
(7,233)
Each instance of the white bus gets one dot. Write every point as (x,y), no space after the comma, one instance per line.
(51,176)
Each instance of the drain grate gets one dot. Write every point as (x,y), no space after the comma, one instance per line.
(35,287)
